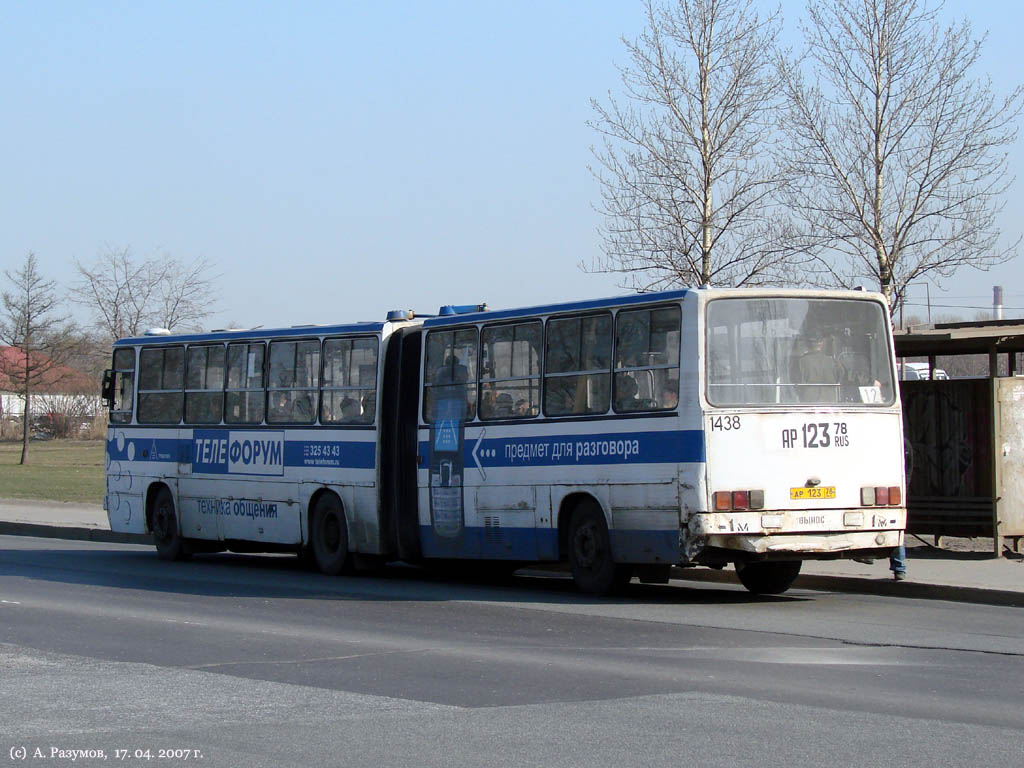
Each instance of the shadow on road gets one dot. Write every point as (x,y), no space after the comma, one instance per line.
(286,576)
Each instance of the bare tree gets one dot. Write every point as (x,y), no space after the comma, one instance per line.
(186,294)
(127,295)
(687,185)
(901,154)
(39,339)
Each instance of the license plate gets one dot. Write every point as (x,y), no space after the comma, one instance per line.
(824,492)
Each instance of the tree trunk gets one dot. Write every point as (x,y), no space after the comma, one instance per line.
(25,428)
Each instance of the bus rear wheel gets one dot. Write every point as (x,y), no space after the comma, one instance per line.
(329,535)
(590,553)
(163,522)
(768,578)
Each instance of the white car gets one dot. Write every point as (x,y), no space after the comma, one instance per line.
(915,371)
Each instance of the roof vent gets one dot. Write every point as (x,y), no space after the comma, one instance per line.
(461,309)
(158,332)
(397,315)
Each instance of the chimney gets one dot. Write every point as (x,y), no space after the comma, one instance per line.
(997,302)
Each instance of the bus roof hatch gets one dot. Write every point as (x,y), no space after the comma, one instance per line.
(461,309)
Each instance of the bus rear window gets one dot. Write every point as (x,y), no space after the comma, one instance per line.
(795,350)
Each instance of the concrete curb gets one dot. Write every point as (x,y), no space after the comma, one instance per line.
(72,533)
(886,587)
(864,586)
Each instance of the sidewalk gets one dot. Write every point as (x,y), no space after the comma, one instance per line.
(61,520)
(963,570)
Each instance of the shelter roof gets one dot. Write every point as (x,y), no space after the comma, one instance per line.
(967,338)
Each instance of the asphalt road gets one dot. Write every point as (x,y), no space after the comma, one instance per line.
(255,661)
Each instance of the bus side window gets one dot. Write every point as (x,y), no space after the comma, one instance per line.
(450,373)
(646,359)
(510,384)
(122,387)
(204,384)
(349,381)
(161,377)
(577,365)
(244,397)
(294,382)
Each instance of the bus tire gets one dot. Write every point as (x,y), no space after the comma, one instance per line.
(768,578)
(163,522)
(328,535)
(590,553)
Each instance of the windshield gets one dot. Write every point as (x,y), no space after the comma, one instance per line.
(794,350)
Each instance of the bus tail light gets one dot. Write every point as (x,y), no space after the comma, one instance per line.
(727,501)
(880,496)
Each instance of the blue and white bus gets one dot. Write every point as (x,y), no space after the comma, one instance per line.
(624,436)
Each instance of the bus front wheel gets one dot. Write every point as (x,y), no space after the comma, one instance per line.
(590,553)
(163,522)
(768,578)
(329,535)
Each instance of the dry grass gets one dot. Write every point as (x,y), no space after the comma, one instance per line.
(57,470)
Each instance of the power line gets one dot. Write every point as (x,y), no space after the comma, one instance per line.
(961,306)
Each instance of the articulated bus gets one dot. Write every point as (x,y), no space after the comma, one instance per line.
(622,436)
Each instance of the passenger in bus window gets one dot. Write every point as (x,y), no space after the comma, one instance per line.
(369,404)
(488,403)
(279,407)
(450,382)
(670,395)
(817,374)
(503,405)
(350,410)
(860,385)
(626,393)
(302,408)
(452,371)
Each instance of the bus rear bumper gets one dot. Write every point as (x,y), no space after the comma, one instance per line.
(808,546)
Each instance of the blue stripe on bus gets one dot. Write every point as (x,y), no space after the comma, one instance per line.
(660,447)
(637,546)
(533,544)
(503,544)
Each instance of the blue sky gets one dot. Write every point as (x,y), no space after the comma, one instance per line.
(340,159)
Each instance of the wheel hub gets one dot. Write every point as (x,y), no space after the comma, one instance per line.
(332,533)
(586,546)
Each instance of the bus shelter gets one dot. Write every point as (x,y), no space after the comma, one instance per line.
(966,434)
